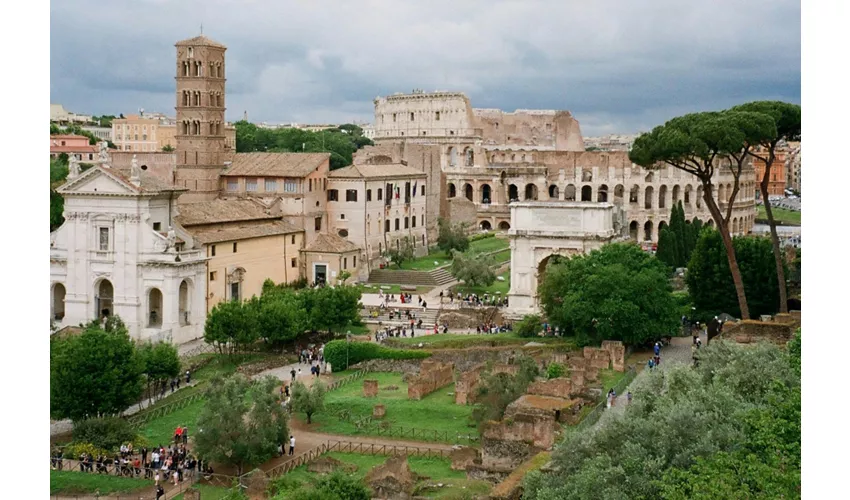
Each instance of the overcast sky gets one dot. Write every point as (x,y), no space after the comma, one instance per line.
(620,66)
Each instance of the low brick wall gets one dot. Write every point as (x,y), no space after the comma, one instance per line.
(556,388)
(432,376)
(751,331)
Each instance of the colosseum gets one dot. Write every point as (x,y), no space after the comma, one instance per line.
(489,158)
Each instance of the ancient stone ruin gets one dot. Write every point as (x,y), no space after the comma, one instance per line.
(779,330)
(392,480)
(467,385)
(556,388)
(370,388)
(379,411)
(464,456)
(326,465)
(433,375)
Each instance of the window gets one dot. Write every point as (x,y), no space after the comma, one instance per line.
(251,185)
(437,116)
(380,194)
(343,233)
(354,265)
(234,247)
(333,195)
(212,251)
(412,117)
(310,185)
(144,137)
(368,195)
(318,224)
(396,224)
(350,195)
(293,239)
(413,221)
(290,186)
(387,226)
(423,219)
(345,262)
(232,184)
(394,115)
(294,262)
(104,239)
(406,222)
(341,216)
(157,226)
(422,190)
(271,185)
(212,275)
(234,291)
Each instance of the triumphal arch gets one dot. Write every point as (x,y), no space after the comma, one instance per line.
(540,229)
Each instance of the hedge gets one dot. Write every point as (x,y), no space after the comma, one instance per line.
(340,353)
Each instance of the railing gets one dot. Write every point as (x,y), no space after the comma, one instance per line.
(345,380)
(201,349)
(366,426)
(142,418)
(298,461)
(593,417)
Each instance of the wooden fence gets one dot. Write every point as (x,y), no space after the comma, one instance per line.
(415,434)
(345,380)
(142,418)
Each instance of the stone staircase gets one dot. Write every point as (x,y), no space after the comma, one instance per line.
(437,277)
(428,317)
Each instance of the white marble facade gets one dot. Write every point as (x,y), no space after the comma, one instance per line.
(117,253)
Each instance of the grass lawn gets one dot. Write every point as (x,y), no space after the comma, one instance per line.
(502,256)
(499,288)
(780,215)
(437,258)
(71,483)
(435,412)
(426,263)
(609,378)
(438,470)
(461,341)
(489,244)
(160,431)
(208,492)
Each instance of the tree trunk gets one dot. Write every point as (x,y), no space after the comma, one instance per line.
(309,415)
(774,239)
(730,249)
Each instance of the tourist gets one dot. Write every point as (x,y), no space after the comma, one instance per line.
(178,432)
(657,348)
(185,435)
(292,372)
(159,491)
(291,445)
(629,397)
(188,377)
(156,479)
(172,386)
(651,363)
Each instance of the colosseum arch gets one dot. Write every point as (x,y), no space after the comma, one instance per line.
(467,191)
(728,192)
(493,158)
(154,308)
(587,175)
(619,192)
(688,194)
(676,195)
(553,192)
(633,230)
(662,196)
(721,193)
(586,193)
(647,231)
(452,190)
(648,177)
(452,156)
(485,225)
(634,193)
(504,225)
(486,194)
(513,193)
(570,193)
(699,196)
(647,199)
(469,157)
(602,193)
(530,192)
(661,225)
(710,223)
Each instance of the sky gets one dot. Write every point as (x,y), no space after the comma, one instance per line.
(620,66)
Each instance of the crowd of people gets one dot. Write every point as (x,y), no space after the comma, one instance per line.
(474,300)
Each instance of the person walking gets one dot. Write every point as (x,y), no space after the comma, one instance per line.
(629,397)
(291,445)
(185,435)
(292,372)
(159,491)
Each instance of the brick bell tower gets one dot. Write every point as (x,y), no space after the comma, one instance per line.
(200,118)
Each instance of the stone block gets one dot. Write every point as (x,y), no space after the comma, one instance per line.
(192,494)
(591,374)
(463,456)
(370,388)
(556,388)
(379,411)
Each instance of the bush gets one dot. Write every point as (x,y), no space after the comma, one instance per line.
(77,448)
(108,432)
(529,326)
(482,236)
(341,353)
(555,370)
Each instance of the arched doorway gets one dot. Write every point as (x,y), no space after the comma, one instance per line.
(452,190)
(58,301)
(467,191)
(633,230)
(485,225)
(513,193)
(530,192)
(647,200)
(504,226)
(586,193)
(184,304)
(602,194)
(688,190)
(661,225)
(633,194)
(103,299)
(662,196)
(154,308)
(647,231)
(452,156)
(676,195)
(553,192)
(699,196)
(486,197)
(619,192)
(570,193)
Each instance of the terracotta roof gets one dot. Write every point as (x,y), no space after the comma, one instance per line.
(376,171)
(68,136)
(216,211)
(74,149)
(275,164)
(216,235)
(200,40)
(331,243)
(148,183)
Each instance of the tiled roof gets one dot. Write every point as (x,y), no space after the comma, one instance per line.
(74,149)
(243,233)
(67,136)
(275,164)
(200,40)
(331,243)
(149,182)
(376,171)
(217,211)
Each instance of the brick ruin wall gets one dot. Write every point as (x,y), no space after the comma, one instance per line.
(463,211)
(556,388)
(467,385)
(779,331)
(433,375)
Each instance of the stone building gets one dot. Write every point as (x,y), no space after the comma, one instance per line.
(376,206)
(72,145)
(776,184)
(328,255)
(136,133)
(121,251)
(792,166)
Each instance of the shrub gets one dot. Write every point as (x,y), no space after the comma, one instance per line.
(108,432)
(529,326)
(77,448)
(341,353)
(555,370)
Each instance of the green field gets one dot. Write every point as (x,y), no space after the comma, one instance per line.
(498,288)
(77,483)
(435,412)
(160,431)
(437,470)
(461,341)
(780,215)
(489,244)
(437,258)
(502,256)
(208,492)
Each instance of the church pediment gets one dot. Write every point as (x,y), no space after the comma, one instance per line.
(98,181)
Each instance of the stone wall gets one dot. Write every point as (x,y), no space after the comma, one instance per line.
(462,210)
(532,431)
(751,331)
(464,456)
(433,375)
(556,388)
(463,318)
(617,352)
(467,385)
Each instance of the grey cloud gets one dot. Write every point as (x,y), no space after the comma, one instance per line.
(619,66)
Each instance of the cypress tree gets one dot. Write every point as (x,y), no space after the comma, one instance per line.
(667,251)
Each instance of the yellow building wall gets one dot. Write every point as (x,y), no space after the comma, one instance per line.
(263,258)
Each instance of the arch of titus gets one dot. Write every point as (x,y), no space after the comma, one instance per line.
(540,229)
